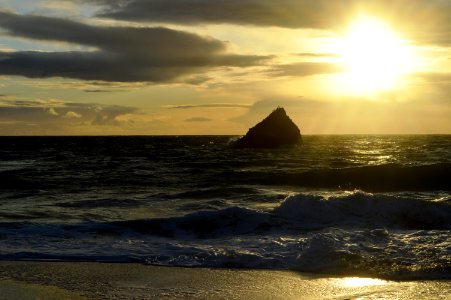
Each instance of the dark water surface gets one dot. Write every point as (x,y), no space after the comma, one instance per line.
(373,205)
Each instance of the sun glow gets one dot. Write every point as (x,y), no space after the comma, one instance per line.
(356,282)
(373,57)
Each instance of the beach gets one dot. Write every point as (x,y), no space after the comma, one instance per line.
(80,280)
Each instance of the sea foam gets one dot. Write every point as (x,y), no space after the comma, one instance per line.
(361,209)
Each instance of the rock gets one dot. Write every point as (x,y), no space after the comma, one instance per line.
(274,131)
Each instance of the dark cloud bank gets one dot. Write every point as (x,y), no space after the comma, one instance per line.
(284,13)
(433,15)
(123,54)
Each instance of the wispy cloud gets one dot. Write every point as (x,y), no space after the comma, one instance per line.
(60,112)
(209,105)
(314,54)
(303,69)
(198,119)
(434,77)
(85,86)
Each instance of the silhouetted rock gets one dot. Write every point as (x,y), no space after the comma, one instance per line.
(274,131)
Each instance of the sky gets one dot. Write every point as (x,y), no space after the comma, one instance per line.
(189,67)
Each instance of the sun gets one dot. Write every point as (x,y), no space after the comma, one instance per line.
(374,57)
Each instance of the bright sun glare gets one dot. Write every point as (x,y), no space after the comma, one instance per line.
(374,57)
(356,282)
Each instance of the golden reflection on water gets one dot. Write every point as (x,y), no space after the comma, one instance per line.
(355,282)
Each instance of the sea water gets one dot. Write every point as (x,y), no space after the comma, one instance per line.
(353,204)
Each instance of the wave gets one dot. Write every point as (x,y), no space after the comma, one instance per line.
(375,253)
(102,203)
(378,178)
(349,210)
(355,233)
(379,253)
(365,210)
(305,211)
(204,224)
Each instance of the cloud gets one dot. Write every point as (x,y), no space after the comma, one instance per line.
(198,119)
(12,101)
(210,105)
(59,113)
(72,115)
(108,115)
(123,54)
(283,13)
(434,77)
(85,86)
(97,91)
(52,111)
(304,69)
(433,15)
(320,55)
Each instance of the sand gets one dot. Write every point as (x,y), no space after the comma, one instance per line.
(78,280)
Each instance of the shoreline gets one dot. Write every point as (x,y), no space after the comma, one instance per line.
(97,280)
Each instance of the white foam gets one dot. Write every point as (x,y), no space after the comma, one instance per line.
(365,210)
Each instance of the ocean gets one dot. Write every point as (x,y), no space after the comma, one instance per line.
(366,205)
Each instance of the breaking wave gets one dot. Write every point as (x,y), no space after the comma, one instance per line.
(355,233)
(304,211)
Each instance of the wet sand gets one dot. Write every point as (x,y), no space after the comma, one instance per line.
(78,280)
